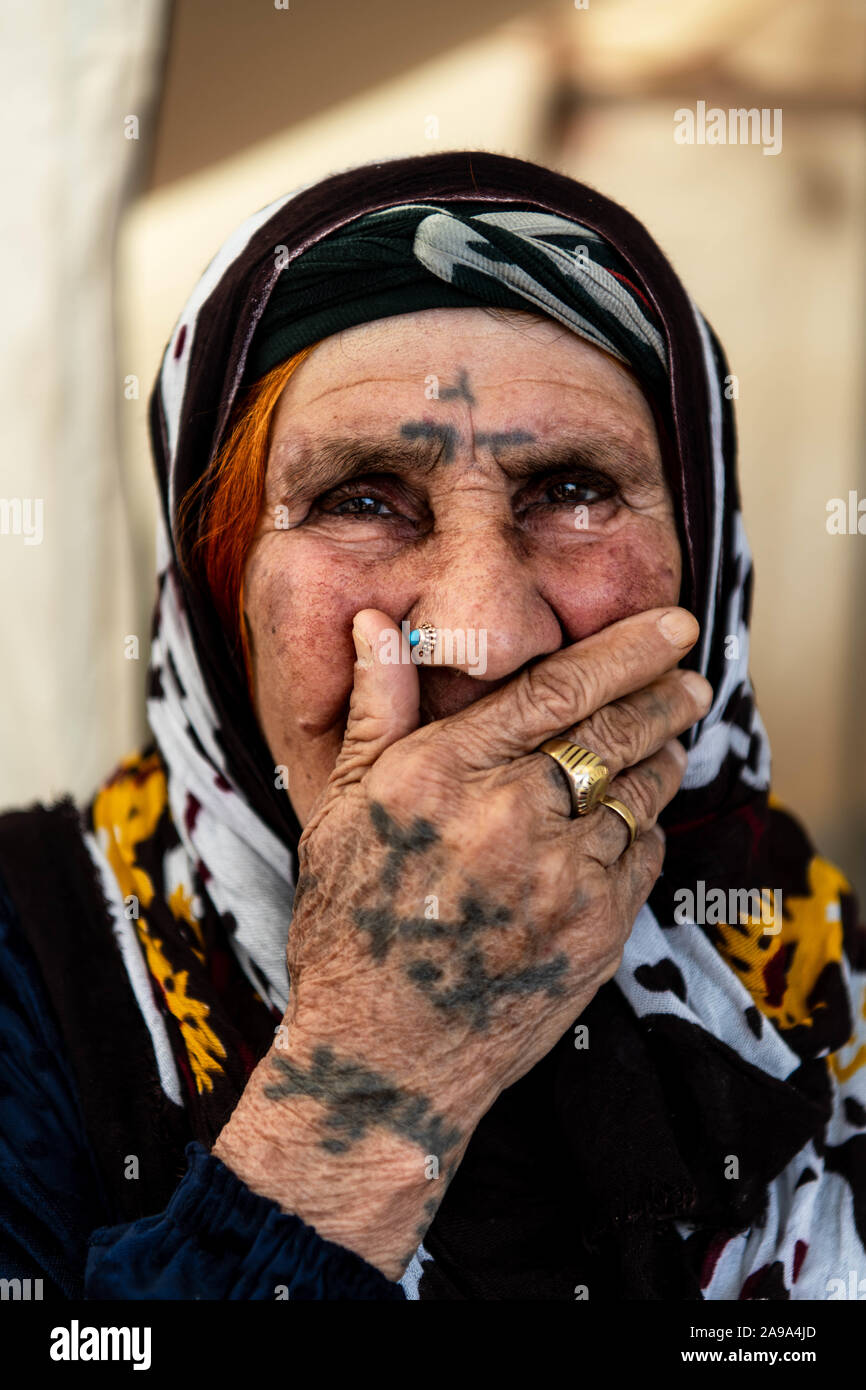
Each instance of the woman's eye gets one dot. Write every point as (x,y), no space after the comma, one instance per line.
(570,492)
(360,504)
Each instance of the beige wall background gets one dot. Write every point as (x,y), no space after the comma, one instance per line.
(255,100)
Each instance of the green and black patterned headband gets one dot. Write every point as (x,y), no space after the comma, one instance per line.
(425,256)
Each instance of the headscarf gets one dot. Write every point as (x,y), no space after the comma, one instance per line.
(413,256)
(713,1042)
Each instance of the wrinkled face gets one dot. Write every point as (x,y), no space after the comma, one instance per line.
(498,477)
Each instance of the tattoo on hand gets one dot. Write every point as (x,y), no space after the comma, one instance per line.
(466,988)
(475,991)
(357,1100)
(401,843)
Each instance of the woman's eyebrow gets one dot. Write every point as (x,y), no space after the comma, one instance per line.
(323,463)
(622,458)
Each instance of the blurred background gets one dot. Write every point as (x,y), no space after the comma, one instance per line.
(138,133)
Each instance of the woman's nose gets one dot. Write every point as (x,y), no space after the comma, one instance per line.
(481,595)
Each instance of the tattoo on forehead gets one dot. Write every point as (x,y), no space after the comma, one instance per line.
(425,429)
(419,836)
(357,1100)
(450,393)
(420,445)
(449,437)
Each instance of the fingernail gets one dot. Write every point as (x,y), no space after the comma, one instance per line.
(363,650)
(679,627)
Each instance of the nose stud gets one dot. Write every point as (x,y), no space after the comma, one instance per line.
(424,638)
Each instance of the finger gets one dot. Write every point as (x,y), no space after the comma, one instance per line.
(384,703)
(621,734)
(567,687)
(645,790)
(629,730)
(634,874)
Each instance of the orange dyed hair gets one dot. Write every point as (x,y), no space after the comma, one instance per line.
(230,497)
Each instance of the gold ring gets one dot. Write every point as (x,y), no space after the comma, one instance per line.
(626,814)
(587,775)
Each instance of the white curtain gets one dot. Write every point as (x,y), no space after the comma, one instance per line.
(78,86)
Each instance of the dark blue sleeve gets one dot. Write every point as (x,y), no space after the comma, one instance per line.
(215,1240)
(50,1193)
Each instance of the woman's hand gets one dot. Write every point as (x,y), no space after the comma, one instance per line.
(452,920)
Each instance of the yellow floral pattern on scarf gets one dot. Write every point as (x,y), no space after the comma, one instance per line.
(813,926)
(126,812)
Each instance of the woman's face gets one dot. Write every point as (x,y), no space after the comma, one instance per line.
(498,477)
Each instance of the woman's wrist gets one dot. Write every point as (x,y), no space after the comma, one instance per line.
(333,1159)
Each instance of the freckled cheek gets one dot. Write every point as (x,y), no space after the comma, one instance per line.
(303,651)
(614,580)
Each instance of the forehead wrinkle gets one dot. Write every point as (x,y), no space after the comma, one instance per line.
(569,382)
(350,385)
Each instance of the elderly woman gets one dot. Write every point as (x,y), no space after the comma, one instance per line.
(375,975)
